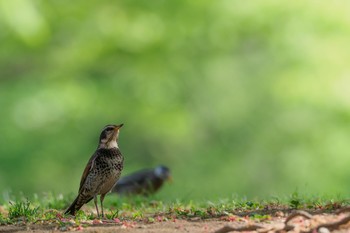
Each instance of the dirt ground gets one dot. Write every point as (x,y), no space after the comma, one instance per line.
(277,222)
(178,226)
(203,226)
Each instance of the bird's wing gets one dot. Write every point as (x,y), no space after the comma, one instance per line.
(87,169)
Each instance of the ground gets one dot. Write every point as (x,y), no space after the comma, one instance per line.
(179,226)
(142,215)
(271,220)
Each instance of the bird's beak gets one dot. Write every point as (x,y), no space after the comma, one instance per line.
(118,127)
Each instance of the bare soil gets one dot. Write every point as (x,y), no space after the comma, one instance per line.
(276,222)
(178,226)
(266,221)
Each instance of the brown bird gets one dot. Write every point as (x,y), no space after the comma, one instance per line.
(144,182)
(102,171)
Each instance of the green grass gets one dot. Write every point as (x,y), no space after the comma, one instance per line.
(50,207)
(22,209)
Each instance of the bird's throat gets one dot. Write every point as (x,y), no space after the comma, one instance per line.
(108,144)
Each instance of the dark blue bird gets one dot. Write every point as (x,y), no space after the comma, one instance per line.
(144,182)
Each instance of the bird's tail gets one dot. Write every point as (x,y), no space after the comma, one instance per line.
(77,204)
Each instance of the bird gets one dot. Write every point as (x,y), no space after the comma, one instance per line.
(101,172)
(144,182)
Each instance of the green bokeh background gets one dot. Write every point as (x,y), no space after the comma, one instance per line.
(237,97)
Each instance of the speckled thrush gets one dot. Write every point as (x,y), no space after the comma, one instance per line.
(101,172)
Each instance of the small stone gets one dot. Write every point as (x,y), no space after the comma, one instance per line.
(323,230)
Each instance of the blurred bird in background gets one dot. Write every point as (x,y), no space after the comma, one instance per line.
(144,182)
(102,171)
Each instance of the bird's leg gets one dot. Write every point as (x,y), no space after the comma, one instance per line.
(102,197)
(95,201)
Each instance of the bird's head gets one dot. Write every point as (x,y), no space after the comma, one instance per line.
(163,172)
(109,136)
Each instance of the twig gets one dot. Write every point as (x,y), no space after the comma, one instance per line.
(332,226)
(227,228)
(343,210)
(288,227)
(298,213)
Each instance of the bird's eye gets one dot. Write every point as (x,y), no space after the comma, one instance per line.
(109,129)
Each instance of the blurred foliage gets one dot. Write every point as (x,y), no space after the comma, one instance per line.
(236,97)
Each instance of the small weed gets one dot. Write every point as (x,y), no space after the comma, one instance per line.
(295,201)
(113,214)
(137,215)
(81,216)
(151,220)
(199,212)
(22,209)
(332,205)
(260,217)
(51,214)
(3,220)
(181,211)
